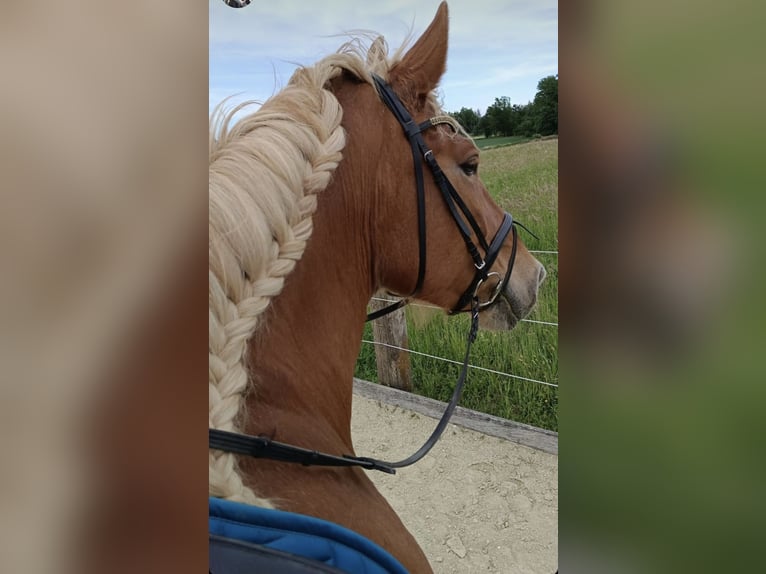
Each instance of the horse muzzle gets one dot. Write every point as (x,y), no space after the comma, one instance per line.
(518,296)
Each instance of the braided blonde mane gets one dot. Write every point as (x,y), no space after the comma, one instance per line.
(265,172)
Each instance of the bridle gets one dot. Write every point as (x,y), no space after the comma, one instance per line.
(264,447)
(455,204)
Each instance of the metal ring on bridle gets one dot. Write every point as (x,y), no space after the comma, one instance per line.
(495,293)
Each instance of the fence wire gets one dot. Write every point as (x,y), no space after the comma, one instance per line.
(478,368)
(427,306)
(459,363)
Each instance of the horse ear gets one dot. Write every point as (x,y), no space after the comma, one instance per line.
(421,68)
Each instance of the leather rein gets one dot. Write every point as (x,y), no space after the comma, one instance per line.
(264,447)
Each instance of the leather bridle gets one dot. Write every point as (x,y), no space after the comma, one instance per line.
(465,222)
(265,447)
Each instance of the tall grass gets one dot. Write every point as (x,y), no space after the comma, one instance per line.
(523,179)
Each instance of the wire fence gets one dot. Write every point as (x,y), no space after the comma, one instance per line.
(509,375)
(427,306)
(476,367)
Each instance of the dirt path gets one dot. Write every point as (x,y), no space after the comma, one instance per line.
(476,503)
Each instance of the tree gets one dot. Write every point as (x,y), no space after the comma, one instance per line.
(500,117)
(468,118)
(541,116)
(528,125)
(546,106)
(485,126)
(518,117)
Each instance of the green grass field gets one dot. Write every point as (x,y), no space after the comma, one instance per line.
(523,179)
(484,143)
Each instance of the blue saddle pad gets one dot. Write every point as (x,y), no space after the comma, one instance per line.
(311,538)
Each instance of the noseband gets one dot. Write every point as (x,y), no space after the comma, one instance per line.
(264,447)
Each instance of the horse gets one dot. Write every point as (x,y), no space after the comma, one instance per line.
(312,209)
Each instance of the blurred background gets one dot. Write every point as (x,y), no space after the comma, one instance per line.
(103,123)
(661,283)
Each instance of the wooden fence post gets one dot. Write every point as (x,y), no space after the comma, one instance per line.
(393,365)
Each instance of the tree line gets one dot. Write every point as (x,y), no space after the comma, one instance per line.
(540,116)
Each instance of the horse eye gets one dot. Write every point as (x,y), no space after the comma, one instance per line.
(469,167)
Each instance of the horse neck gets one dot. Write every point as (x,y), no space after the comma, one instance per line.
(302,360)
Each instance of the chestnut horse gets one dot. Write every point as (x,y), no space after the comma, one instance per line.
(312,210)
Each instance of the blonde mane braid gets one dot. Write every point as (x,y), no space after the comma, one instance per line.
(265,172)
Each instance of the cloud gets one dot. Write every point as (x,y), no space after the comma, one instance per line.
(503,46)
(492,24)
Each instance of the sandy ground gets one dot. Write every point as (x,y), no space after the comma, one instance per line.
(476,503)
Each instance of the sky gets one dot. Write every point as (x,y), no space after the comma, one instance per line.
(496,47)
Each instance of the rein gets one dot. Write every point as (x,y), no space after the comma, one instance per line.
(264,447)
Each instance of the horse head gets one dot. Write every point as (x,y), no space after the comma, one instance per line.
(450,271)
